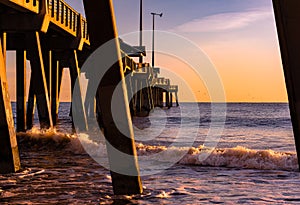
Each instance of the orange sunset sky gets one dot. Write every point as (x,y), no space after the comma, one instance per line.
(239,37)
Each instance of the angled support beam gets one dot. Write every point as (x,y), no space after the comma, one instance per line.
(77,102)
(102,28)
(9,154)
(31,102)
(287,15)
(56,78)
(39,81)
(89,103)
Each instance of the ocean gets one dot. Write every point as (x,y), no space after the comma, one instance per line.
(186,156)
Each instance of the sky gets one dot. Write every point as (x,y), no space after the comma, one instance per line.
(238,36)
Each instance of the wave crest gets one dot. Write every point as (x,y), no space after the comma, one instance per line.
(237,157)
(241,157)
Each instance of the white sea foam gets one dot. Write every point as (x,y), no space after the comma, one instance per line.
(241,157)
(237,157)
(50,134)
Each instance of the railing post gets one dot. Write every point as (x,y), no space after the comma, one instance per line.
(52,8)
(57,10)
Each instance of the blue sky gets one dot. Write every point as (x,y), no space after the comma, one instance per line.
(239,37)
(176,12)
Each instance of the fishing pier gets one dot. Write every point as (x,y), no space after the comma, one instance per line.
(53,36)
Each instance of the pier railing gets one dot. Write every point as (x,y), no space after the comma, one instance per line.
(60,13)
(143,68)
(64,16)
(162,81)
(173,88)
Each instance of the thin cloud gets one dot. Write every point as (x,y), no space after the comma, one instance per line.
(224,21)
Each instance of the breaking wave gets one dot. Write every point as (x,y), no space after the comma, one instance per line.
(237,157)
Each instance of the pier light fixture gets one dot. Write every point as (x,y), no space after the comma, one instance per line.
(153,15)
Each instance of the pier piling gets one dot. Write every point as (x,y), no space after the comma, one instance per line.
(53,36)
(9,154)
(101,30)
(21,90)
(77,101)
(56,82)
(40,88)
(30,103)
(287,17)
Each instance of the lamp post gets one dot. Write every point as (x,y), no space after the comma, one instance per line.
(141,28)
(160,15)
